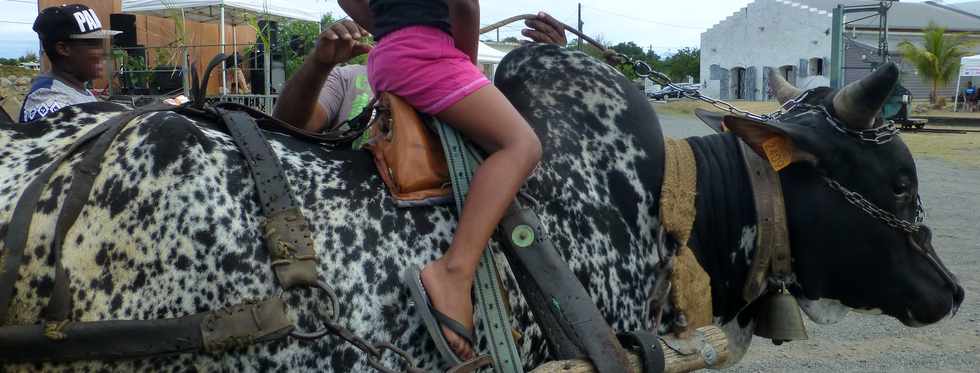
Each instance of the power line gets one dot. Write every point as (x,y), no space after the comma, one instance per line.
(23,2)
(16,22)
(642,19)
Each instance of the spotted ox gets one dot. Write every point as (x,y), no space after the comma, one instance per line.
(172,226)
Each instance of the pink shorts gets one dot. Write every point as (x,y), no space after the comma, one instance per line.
(422,65)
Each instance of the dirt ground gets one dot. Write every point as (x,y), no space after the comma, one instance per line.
(949,180)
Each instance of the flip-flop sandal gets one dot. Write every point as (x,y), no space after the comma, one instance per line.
(433,319)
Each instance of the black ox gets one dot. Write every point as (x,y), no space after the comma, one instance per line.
(172,225)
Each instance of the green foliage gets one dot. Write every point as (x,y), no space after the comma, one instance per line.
(938,60)
(27,57)
(678,66)
(169,55)
(686,62)
(133,68)
(296,40)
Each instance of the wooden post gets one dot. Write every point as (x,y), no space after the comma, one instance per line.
(675,362)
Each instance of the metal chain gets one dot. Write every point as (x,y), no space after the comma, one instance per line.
(878,135)
(374,352)
(869,208)
(643,70)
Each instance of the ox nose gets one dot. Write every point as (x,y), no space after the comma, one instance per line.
(958,295)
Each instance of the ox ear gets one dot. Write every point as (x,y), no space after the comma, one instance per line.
(781,144)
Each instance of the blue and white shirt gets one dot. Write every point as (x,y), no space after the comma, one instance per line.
(49,94)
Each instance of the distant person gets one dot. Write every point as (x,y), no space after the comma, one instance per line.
(237,84)
(970,96)
(74,41)
(344,90)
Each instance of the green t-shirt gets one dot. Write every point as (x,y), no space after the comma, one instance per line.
(345,94)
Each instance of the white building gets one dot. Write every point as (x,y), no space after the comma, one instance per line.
(795,38)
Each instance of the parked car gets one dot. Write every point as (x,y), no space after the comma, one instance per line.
(671,92)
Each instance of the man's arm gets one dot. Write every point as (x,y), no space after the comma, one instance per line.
(545,29)
(297,103)
(360,12)
(464,16)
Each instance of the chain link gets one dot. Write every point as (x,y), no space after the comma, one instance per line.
(374,352)
(869,208)
(878,135)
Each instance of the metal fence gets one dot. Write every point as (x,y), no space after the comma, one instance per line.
(265,103)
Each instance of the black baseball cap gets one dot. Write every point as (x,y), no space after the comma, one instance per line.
(66,22)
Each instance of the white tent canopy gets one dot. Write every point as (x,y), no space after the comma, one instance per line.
(969,67)
(231,12)
(235,10)
(489,55)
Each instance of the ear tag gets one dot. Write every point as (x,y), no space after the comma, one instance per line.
(779,152)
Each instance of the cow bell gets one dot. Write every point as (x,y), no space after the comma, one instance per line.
(779,318)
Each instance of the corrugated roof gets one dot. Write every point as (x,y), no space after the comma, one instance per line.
(970,7)
(902,15)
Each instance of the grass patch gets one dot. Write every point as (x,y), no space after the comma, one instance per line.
(688,106)
(962,149)
(16,71)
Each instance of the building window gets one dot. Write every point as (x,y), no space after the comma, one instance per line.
(816,66)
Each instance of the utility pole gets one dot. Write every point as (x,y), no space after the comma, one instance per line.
(580,25)
(498,34)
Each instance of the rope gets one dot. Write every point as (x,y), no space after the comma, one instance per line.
(689,281)
(521,17)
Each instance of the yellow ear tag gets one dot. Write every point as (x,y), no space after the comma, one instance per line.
(778,151)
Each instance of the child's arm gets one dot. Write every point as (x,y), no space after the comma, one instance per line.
(464,15)
(360,12)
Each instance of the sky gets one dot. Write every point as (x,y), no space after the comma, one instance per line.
(664,25)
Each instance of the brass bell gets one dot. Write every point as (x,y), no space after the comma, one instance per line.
(779,318)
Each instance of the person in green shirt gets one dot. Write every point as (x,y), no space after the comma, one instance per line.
(343,90)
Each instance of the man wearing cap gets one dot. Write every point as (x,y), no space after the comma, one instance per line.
(74,41)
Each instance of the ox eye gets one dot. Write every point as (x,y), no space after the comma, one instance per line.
(901,191)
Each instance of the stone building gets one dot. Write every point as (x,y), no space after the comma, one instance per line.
(794,38)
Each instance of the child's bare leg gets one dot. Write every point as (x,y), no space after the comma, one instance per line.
(488,118)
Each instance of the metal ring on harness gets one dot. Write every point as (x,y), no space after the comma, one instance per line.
(319,333)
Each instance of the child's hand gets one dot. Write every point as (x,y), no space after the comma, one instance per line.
(341,42)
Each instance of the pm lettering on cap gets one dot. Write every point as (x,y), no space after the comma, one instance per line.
(87,20)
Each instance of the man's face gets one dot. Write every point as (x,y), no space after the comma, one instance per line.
(84,58)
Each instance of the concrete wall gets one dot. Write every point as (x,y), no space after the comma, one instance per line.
(765,34)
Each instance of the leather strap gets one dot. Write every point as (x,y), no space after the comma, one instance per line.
(342,134)
(286,231)
(83,179)
(19,226)
(569,319)
(213,331)
(287,236)
(648,345)
(772,256)
(489,298)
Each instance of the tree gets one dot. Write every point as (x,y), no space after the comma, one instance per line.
(938,60)
(510,39)
(686,62)
(631,50)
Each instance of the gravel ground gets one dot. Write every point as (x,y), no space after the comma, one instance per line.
(863,343)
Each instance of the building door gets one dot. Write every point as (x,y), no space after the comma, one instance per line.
(738,83)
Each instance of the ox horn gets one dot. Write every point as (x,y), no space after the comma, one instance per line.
(858,103)
(784,90)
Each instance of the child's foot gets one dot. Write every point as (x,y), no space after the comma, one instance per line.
(449,292)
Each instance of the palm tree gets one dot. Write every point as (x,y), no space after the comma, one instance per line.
(938,60)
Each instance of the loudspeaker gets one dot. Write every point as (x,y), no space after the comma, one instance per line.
(127,24)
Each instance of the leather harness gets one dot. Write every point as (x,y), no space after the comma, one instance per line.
(772,256)
(287,236)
